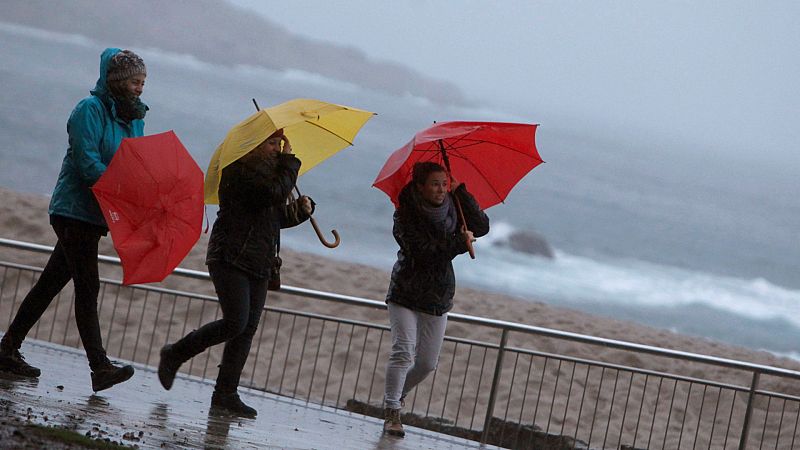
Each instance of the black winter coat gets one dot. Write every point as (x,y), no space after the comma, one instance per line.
(423,278)
(252,211)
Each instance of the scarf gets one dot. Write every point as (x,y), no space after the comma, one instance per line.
(129,109)
(442,216)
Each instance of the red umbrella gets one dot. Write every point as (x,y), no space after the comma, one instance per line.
(151,195)
(490,157)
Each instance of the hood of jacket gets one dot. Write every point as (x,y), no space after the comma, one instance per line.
(94,136)
(101,87)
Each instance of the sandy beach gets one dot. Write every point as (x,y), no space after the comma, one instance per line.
(24,217)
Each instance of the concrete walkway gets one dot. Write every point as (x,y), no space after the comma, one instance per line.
(141,413)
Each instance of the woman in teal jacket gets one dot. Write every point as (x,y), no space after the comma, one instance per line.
(95,127)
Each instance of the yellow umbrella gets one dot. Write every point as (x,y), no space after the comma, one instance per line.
(316,129)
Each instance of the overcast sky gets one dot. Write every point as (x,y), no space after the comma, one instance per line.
(720,74)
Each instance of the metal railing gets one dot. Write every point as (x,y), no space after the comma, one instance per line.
(512,396)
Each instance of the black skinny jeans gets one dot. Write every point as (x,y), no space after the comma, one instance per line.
(242,298)
(74,258)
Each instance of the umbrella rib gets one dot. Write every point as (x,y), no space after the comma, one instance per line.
(452,145)
(477,142)
(457,155)
(431,155)
(463,137)
(329,131)
(146,170)
(183,221)
(455,152)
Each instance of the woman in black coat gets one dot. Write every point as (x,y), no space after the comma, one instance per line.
(241,253)
(430,234)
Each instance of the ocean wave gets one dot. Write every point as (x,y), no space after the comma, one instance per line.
(312,78)
(500,232)
(630,282)
(791,355)
(47,36)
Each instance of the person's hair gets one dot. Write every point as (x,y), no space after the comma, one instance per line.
(421,171)
(118,88)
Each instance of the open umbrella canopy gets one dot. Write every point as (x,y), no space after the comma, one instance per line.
(489,157)
(151,195)
(316,129)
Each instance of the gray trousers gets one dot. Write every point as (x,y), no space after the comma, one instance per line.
(416,341)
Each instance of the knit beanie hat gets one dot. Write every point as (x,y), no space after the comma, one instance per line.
(125,64)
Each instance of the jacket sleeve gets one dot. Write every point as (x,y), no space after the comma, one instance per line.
(477,220)
(288,219)
(419,242)
(85,130)
(259,186)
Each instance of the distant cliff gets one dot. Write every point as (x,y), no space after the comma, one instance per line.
(218,32)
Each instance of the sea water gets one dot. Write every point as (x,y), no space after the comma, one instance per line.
(655,231)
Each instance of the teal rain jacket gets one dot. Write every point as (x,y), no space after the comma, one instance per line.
(94,136)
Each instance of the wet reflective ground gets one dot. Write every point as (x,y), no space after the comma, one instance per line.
(141,413)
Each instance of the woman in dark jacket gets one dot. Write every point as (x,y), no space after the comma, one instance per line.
(242,251)
(430,235)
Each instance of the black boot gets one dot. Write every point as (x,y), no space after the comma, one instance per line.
(11,360)
(168,366)
(231,403)
(107,375)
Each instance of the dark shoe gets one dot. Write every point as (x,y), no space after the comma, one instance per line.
(232,404)
(12,361)
(168,367)
(391,422)
(108,375)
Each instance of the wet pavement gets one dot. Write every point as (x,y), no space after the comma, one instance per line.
(141,413)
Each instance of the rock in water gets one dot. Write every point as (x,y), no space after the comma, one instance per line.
(528,242)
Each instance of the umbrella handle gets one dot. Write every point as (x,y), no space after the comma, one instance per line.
(470,249)
(446,161)
(335,233)
(336,240)
(461,215)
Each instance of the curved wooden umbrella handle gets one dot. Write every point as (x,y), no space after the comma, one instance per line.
(464,221)
(446,161)
(335,233)
(470,249)
(336,240)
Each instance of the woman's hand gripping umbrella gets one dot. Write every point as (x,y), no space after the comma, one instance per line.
(489,157)
(316,129)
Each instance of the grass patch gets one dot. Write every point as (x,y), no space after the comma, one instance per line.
(62,435)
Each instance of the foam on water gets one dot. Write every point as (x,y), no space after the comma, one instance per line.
(45,35)
(623,281)
(558,205)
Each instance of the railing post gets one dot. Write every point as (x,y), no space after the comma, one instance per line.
(498,367)
(749,412)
